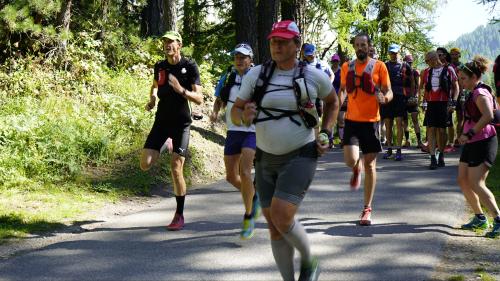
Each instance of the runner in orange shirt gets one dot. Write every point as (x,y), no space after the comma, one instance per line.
(366,83)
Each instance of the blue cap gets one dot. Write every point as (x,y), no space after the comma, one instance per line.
(309,49)
(394,48)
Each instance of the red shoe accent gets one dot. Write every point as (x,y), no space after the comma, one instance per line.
(425,148)
(356,175)
(177,223)
(366,216)
(449,148)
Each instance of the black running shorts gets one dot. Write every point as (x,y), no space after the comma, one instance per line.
(436,114)
(363,134)
(161,131)
(479,152)
(395,108)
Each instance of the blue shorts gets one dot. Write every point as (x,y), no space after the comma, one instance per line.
(236,140)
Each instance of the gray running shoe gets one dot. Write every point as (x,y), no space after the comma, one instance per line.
(311,272)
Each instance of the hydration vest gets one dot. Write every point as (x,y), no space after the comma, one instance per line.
(406,83)
(365,80)
(444,80)
(305,108)
(229,82)
(472,112)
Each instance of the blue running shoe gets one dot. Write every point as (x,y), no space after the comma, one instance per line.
(495,231)
(476,223)
(248,229)
(388,154)
(399,156)
(256,209)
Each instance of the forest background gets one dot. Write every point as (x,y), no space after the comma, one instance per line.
(75,76)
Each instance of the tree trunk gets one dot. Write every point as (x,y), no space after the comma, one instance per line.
(158,16)
(169,15)
(104,18)
(245,22)
(295,10)
(63,21)
(191,22)
(267,15)
(152,24)
(385,25)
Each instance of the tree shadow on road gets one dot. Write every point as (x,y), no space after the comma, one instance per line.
(353,229)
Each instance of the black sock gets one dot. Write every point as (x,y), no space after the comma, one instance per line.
(180,204)
(407,135)
(481,216)
(246,217)
(419,137)
(398,150)
(497,219)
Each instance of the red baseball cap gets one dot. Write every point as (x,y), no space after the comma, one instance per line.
(285,29)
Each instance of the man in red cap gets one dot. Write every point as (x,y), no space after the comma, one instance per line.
(278,97)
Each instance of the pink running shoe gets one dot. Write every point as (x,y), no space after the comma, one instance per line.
(449,148)
(366,216)
(177,223)
(356,175)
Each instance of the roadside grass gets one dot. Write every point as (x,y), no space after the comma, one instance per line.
(483,275)
(456,278)
(493,180)
(35,211)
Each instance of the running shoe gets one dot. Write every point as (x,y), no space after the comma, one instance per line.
(310,272)
(476,223)
(495,231)
(434,163)
(441,160)
(399,156)
(424,148)
(177,223)
(388,154)
(420,145)
(366,216)
(248,229)
(407,144)
(449,148)
(356,176)
(256,209)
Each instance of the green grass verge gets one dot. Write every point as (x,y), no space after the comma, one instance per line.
(493,180)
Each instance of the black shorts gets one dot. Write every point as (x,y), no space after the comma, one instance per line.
(483,151)
(363,134)
(395,108)
(161,131)
(436,114)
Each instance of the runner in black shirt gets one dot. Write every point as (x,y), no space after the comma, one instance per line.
(176,83)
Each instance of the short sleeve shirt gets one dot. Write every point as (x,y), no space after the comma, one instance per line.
(488,130)
(364,107)
(173,107)
(281,136)
(233,94)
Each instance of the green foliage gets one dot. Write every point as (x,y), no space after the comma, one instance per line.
(50,129)
(493,180)
(484,40)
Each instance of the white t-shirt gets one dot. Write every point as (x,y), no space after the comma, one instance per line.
(282,136)
(233,94)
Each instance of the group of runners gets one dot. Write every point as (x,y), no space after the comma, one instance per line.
(273,113)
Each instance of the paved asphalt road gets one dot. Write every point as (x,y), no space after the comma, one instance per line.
(413,213)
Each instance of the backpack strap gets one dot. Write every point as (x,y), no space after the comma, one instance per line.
(266,72)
